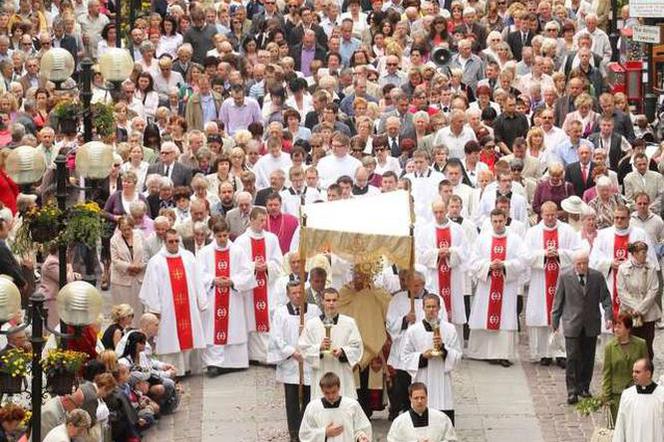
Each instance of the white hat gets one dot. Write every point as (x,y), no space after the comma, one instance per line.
(573,205)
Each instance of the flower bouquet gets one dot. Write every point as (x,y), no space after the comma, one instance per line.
(84,224)
(14,366)
(60,367)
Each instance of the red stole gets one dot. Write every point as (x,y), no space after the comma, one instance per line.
(444,239)
(619,252)
(551,270)
(260,292)
(495,307)
(178,279)
(222,268)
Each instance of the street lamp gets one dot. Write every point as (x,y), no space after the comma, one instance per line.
(77,302)
(115,65)
(93,162)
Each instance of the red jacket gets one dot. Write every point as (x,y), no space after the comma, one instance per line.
(8,191)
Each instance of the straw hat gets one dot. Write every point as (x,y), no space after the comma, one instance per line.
(573,205)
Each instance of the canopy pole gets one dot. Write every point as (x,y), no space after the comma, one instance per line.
(411,258)
(303,301)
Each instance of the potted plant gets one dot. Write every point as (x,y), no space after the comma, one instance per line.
(66,112)
(84,223)
(103,120)
(14,364)
(60,367)
(39,225)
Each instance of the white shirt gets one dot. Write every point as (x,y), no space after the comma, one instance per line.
(455,143)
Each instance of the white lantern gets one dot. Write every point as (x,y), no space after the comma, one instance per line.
(116,64)
(79,303)
(94,160)
(57,64)
(10,299)
(25,165)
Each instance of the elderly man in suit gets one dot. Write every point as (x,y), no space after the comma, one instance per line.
(579,173)
(168,166)
(643,180)
(579,293)
(238,217)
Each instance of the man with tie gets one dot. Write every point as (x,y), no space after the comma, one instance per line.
(167,165)
(579,293)
(579,173)
(520,38)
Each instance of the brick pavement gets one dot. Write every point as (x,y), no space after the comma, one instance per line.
(493,404)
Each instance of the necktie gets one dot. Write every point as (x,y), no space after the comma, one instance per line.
(584,172)
(395,146)
(168,168)
(524,38)
(297,310)
(582,280)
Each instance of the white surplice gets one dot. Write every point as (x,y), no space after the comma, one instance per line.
(399,307)
(640,416)
(331,167)
(440,428)
(490,344)
(349,414)
(157,296)
(537,315)
(427,248)
(268,164)
(273,258)
(344,335)
(602,255)
(234,354)
(424,190)
(284,336)
(437,375)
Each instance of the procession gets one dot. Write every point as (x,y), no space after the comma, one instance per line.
(355,221)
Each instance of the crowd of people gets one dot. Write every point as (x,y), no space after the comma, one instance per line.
(536,192)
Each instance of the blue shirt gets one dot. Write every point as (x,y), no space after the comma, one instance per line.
(567,153)
(209,109)
(346,49)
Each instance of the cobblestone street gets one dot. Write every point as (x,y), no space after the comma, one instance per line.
(525,402)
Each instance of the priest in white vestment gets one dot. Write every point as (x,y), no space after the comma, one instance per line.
(442,248)
(274,160)
(173,290)
(497,265)
(549,251)
(430,351)
(454,208)
(262,249)
(403,312)
(283,351)
(641,410)
(424,184)
(332,417)
(610,250)
(337,353)
(421,423)
(227,276)
(339,163)
(504,187)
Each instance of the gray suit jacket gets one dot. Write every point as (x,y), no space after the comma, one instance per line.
(578,307)
(235,224)
(654,187)
(152,246)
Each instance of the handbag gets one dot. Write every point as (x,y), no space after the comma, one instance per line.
(604,434)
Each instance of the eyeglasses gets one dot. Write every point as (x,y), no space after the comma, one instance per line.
(392,64)
(380,149)
(166,152)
